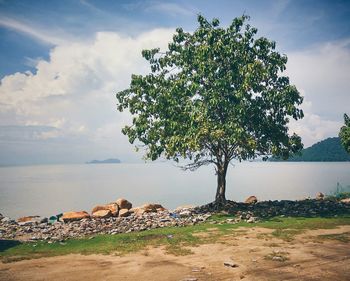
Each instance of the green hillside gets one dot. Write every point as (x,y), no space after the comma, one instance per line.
(327,150)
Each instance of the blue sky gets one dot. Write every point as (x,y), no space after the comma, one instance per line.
(62,62)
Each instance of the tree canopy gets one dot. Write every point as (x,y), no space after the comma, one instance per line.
(344,133)
(215,95)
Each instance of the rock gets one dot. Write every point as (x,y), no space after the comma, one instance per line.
(124,213)
(277,258)
(185,213)
(319,196)
(124,204)
(251,200)
(149,208)
(345,200)
(113,207)
(102,214)
(74,216)
(252,220)
(139,211)
(29,219)
(230,264)
(6,220)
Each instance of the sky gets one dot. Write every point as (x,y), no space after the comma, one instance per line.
(62,63)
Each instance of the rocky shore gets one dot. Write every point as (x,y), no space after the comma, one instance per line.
(120,217)
(112,218)
(254,211)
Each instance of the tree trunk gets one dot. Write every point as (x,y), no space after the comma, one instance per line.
(221,187)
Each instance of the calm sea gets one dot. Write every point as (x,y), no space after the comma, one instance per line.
(52,189)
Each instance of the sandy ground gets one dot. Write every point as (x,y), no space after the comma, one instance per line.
(308,259)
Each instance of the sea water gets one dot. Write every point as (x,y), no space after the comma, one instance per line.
(52,189)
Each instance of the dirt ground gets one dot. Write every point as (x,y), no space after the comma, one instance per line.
(251,255)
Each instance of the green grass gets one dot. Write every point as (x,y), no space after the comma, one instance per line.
(176,240)
(287,235)
(343,237)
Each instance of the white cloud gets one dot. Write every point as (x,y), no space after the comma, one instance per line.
(172,9)
(74,91)
(72,94)
(44,36)
(322,74)
(313,128)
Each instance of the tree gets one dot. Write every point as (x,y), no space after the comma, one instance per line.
(215,95)
(344,133)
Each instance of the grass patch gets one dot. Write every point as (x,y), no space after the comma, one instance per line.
(176,240)
(286,234)
(342,237)
(305,223)
(272,245)
(265,236)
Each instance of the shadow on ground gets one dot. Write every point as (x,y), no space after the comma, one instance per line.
(7,244)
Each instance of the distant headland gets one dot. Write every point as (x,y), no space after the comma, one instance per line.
(328,150)
(106,161)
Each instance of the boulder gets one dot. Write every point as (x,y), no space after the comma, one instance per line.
(251,200)
(152,208)
(345,200)
(74,216)
(102,214)
(147,208)
(112,207)
(29,219)
(319,196)
(123,203)
(139,211)
(124,213)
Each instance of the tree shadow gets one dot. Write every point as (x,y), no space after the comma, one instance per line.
(7,244)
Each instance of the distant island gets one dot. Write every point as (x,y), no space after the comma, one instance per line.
(328,150)
(107,161)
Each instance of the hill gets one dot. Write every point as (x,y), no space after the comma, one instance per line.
(107,161)
(327,150)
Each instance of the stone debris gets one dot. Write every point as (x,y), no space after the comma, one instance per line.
(283,208)
(81,224)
